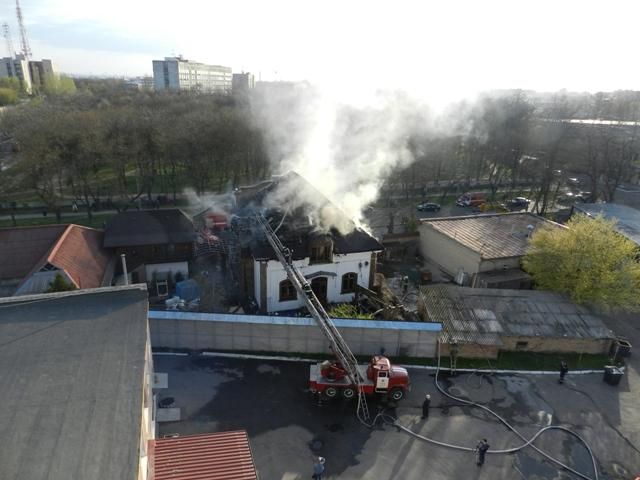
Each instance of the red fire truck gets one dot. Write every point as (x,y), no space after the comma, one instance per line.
(380,377)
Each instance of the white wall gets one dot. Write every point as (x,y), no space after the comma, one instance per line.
(173,267)
(446,252)
(358,263)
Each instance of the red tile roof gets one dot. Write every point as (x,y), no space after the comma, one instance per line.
(211,456)
(80,254)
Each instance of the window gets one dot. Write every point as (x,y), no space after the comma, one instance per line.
(349,282)
(287,291)
(321,253)
(522,345)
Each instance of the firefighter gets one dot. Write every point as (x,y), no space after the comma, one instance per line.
(563,371)
(318,469)
(425,407)
(481,451)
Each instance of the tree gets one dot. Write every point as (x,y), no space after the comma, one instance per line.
(59,284)
(8,96)
(58,85)
(589,261)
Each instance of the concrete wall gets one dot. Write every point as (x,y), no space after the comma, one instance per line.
(358,263)
(207,331)
(447,253)
(500,264)
(171,267)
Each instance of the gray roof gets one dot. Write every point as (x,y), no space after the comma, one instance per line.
(628,219)
(501,235)
(149,227)
(71,381)
(483,315)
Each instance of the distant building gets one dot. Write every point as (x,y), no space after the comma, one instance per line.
(158,245)
(140,83)
(17,67)
(481,250)
(77,373)
(177,73)
(31,257)
(40,71)
(627,218)
(243,83)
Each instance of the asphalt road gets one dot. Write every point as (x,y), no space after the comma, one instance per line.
(287,428)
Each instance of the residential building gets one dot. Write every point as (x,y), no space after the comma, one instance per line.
(178,73)
(627,218)
(335,262)
(140,83)
(243,83)
(17,67)
(40,71)
(157,245)
(31,257)
(482,250)
(76,377)
(484,322)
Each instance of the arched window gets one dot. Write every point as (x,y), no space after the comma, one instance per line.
(287,291)
(349,282)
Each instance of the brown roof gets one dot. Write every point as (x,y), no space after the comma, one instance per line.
(499,235)
(75,249)
(80,254)
(211,456)
(21,248)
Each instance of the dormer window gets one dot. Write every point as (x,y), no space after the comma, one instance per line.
(321,251)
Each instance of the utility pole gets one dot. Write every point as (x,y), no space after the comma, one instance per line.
(7,37)
(24,41)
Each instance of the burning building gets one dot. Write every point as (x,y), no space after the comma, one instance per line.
(333,253)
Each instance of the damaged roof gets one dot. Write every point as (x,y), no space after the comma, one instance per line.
(149,227)
(483,315)
(501,235)
(300,214)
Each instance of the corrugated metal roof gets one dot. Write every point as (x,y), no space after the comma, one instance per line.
(210,456)
(492,236)
(482,315)
(628,219)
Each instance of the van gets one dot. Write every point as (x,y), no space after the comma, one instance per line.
(471,199)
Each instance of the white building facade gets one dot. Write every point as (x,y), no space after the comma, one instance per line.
(333,282)
(177,73)
(17,67)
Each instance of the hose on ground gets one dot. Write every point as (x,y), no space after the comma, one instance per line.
(389,419)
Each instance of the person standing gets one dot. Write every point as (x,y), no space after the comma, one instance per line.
(425,407)
(318,468)
(481,450)
(563,371)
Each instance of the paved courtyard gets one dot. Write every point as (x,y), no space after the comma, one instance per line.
(287,428)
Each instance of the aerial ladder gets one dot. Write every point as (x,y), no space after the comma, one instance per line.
(339,347)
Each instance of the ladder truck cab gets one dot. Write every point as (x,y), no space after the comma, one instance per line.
(379,377)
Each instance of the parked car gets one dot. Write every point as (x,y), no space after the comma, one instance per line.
(518,203)
(585,197)
(428,207)
(573,181)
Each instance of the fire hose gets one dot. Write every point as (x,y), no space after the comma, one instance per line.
(391,420)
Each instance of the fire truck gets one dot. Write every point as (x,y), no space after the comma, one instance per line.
(380,377)
(343,376)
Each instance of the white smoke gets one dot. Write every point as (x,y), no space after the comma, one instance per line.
(345,149)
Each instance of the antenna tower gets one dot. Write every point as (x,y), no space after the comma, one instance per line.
(24,42)
(7,37)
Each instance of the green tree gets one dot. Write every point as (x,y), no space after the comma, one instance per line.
(59,284)
(58,85)
(589,261)
(8,96)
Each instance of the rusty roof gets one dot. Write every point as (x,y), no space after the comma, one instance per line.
(500,235)
(210,456)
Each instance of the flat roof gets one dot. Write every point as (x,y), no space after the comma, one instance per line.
(628,218)
(71,384)
(484,315)
(210,456)
(501,235)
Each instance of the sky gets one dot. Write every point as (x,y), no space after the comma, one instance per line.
(441,48)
